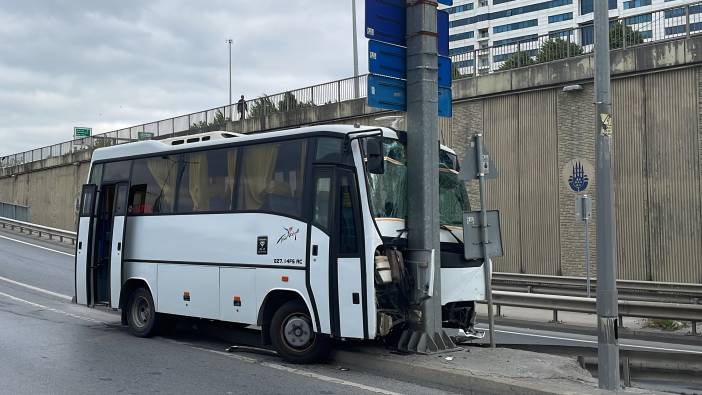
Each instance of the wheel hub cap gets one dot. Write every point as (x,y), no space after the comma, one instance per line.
(298,332)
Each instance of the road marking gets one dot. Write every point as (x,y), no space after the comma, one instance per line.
(37,246)
(33,288)
(300,372)
(42,307)
(677,350)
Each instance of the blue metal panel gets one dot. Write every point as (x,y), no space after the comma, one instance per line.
(386,20)
(387,59)
(387,93)
(445,104)
(445,75)
(442,29)
(445,2)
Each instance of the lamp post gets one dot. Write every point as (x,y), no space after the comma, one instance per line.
(230,41)
(355,50)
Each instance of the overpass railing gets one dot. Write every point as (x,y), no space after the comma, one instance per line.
(204,121)
(627,31)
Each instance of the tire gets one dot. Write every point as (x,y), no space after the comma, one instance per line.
(300,344)
(141,313)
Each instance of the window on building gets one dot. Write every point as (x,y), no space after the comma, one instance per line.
(483,3)
(515,26)
(272,177)
(207,180)
(587,6)
(153,185)
(636,3)
(461,36)
(560,17)
(483,33)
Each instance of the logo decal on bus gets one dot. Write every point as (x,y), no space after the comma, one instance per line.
(290,232)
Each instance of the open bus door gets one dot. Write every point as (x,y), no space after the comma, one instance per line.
(86,216)
(118,228)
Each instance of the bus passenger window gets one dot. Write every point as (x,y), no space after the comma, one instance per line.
(153,185)
(272,177)
(348,237)
(321,201)
(206,181)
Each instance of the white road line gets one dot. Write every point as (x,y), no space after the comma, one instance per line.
(33,288)
(622,344)
(300,372)
(37,246)
(42,307)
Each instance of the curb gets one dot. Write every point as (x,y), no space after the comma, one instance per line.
(469,384)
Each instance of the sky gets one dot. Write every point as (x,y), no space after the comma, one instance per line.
(114,64)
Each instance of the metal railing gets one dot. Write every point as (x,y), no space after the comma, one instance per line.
(204,121)
(15,211)
(626,31)
(40,230)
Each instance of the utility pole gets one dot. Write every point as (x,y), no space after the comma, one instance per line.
(422,162)
(355,51)
(607,297)
(229,41)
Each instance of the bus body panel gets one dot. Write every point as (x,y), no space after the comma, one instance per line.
(319,276)
(82,260)
(142,271)
(462,284)
(272,279)
(350,304)
(116,260)
(189,290)
(238,300)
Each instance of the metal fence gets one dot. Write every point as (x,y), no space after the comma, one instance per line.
(204,121)
(15,211)
(670,23)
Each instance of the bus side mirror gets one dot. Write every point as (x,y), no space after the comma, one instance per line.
(375,155)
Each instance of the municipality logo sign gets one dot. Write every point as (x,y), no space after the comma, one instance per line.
(578,175)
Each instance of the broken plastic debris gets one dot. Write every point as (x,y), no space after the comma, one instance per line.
(449,358)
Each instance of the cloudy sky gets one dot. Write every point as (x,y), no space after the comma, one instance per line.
(112,64)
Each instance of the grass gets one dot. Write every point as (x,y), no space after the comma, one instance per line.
(666,325)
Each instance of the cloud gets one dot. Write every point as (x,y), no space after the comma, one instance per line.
(115,64)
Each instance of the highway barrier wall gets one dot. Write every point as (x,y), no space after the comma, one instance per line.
(533,128)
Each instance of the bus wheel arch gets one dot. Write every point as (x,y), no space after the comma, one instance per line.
(273,301)
(137,294)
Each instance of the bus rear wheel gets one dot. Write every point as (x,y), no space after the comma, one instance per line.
(141,313)
(293,336)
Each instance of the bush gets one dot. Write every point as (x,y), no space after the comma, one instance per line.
(558,48)
(618,31)
(518,59)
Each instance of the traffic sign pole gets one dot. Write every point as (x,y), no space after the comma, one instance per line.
(422,159)
(607,297)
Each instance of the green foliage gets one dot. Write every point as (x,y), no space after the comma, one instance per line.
(262,106)
(518,59)
(666,325)
(618,32)
(558,48)
(289,102)
(219,123)
(455,72)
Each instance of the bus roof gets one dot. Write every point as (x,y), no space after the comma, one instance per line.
(156,146)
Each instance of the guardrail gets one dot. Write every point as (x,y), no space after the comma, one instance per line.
(52,233)
(627,308)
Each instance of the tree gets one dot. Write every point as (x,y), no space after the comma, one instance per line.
(518,59)
(618,32)
(262,107)
(455,72)
(558,48)
(289,102)
(219,123)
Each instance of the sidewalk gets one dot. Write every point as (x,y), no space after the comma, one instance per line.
(478,370)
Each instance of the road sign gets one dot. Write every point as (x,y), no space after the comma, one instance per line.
(387,93)
(472,227)
(386,20)
(145,136)
(445,104)
(80,132)
(469,165)
(445,72)
(387,59)
(442,30)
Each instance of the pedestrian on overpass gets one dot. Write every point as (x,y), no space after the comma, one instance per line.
(242,107)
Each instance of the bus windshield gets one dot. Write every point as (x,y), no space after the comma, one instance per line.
(388,191)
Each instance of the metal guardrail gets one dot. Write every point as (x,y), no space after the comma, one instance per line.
(626,31)
(52,233)
(627,308)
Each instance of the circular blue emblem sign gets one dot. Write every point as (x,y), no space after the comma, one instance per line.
(578,175)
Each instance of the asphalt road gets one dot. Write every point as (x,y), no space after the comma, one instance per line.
(48,345)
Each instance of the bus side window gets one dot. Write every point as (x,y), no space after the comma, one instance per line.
(153,185)
(322,199)
(348,236)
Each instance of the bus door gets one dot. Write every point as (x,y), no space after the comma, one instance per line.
(346,269)
(118,229)
(86,217)
(107,244)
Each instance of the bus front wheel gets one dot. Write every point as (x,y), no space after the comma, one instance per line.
(293,336)
(141,313)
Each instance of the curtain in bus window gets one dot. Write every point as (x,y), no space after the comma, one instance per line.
(198,180)
(163,172)
(258,163)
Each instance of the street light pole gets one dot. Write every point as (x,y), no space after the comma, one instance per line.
(229,41)
(355,50)
(607,297)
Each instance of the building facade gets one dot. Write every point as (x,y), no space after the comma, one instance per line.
(490,32)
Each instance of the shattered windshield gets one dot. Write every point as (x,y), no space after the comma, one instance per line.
(389,190)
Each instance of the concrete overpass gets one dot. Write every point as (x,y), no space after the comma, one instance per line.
(533,127)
